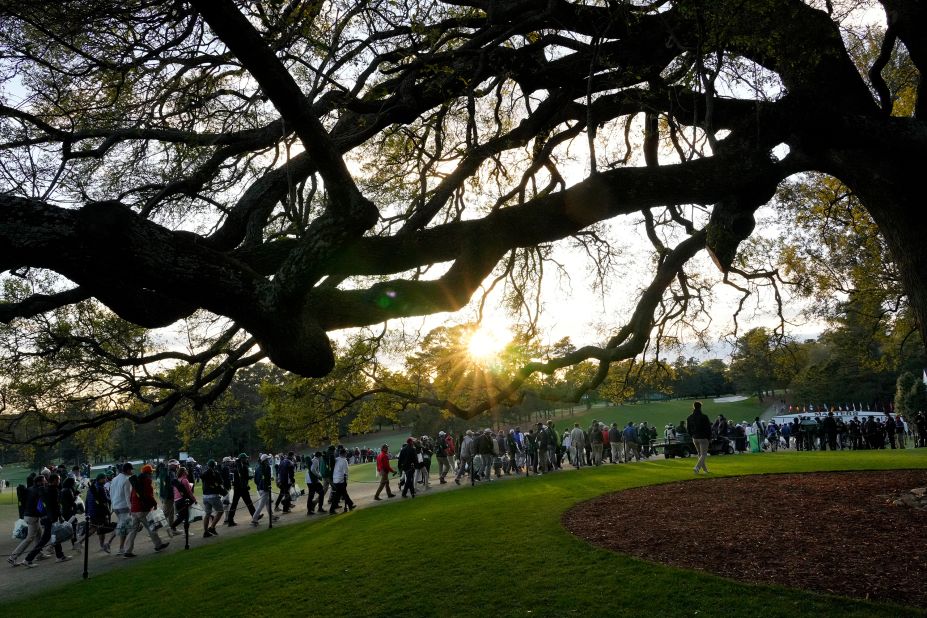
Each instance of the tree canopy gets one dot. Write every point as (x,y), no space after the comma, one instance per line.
(260,175)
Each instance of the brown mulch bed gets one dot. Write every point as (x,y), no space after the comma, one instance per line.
(827,532)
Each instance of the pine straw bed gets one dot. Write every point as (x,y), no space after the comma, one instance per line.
(829,532)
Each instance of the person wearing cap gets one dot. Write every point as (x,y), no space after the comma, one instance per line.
(120,492)
(444,465)
(262,481)
(241,487)
(142,501)
(426,448)
(384,469)
(466,457)
(227,474)
(340,483)
(314,483)
(98,509)
(183,497)
(406,463)
(542,436)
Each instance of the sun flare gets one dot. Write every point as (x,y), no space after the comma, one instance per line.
(488,341)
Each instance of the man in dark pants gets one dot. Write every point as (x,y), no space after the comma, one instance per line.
(406,464)
(49,496)
(315,490)
(890,427)
(242,488)
(285,479)
(340,483)
(829,432)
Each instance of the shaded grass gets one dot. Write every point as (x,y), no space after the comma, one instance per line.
(497,549)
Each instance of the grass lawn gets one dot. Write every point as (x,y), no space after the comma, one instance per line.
(496,549)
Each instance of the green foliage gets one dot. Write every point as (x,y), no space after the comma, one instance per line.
(910,394)
(761,362)
(314,410)
(701,379)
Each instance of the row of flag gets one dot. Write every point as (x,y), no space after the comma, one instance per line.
(844,407)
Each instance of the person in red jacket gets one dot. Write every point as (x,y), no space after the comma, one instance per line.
(142,502)
(384,469)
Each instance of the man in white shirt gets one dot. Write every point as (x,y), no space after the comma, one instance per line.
(340,483)
(120,490)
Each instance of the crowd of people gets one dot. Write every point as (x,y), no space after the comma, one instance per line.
(832,432)
(160,498)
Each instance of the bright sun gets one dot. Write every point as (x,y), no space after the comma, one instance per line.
(488,340)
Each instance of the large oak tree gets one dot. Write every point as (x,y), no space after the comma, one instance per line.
(276,171)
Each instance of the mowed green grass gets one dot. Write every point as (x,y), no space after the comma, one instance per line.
(496,549)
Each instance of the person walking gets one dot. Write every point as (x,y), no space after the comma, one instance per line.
(68,499)
(543,441)
(465,457)
(327,468)
(142,502)
(120,492)
(699,427)
(286,477)
(49,510)
(614,442)
(407,460)
(441,453)
(340,483)
(595,440)
(182,496)
(578,445)
(632,447)
(33,511)
(212,498)
(98,509)
(166,473)
(486,452)
(263,478)
(314,481)
(241,487)
(384,469)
